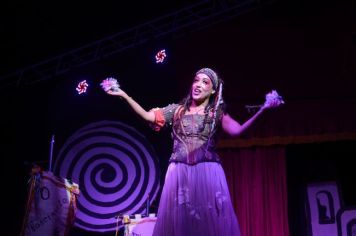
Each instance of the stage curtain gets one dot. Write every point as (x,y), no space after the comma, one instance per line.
(257,182)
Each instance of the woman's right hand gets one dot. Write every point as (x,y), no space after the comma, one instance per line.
(119,93)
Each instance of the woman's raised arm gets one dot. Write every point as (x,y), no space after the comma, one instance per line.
(146,115)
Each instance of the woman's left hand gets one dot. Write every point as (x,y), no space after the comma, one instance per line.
(271,104)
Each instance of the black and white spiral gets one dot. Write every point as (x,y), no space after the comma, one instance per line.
(116,169)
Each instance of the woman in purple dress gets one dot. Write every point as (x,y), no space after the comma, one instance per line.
(195,198)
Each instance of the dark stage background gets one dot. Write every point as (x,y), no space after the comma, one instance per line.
(303,49)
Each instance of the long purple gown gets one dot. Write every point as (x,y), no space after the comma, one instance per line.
(195,198)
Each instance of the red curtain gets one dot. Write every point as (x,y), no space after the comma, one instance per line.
(257,182)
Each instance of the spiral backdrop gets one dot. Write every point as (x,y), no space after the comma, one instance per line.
(116,169)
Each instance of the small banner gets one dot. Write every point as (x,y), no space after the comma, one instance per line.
(51,205)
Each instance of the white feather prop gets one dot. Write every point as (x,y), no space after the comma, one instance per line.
(273,97)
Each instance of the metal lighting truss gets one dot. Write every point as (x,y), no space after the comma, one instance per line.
(194,17)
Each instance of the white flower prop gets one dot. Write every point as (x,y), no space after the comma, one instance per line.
(273,98)
(110,84)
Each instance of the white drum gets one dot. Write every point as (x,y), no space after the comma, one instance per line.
(143,227)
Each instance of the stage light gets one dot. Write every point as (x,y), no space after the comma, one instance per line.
(160,56)
(82,87)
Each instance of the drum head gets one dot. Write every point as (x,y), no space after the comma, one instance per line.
(144,228)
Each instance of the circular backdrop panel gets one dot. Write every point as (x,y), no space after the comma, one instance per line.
(116,169)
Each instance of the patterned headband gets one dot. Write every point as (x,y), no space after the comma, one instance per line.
(211,74)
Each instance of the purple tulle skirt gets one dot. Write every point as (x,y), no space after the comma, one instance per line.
(196,201)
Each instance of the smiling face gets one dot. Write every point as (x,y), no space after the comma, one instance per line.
(202,88)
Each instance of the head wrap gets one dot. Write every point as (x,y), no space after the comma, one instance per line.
(211,74)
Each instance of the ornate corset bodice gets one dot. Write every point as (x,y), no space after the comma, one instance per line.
(191,143)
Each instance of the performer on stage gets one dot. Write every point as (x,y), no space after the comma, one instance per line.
(195,198)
